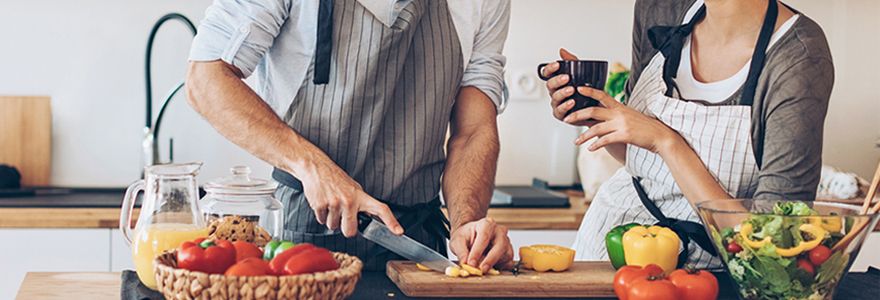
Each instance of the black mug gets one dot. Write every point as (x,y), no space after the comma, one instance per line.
(589,73)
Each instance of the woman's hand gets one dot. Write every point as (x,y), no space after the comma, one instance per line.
(559,91)
(618,123)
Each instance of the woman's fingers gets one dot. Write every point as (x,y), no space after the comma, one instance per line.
(565,55)
(601,96)
(549,69)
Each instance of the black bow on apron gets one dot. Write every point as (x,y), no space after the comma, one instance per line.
(670,40)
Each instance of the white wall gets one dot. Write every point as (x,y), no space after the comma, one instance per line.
(88,56)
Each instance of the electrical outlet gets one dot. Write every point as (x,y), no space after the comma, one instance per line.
(524,85)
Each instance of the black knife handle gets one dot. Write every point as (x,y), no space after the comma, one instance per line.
(363,221)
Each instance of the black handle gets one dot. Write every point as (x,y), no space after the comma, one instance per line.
(363,220)
(541,73)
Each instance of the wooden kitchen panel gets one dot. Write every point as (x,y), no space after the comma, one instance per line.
(62,217)
(70,286)
(584,279)
(25,137)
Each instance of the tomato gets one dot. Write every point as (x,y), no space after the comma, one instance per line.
(626,274)
(733,247)
(311,261)
(652,288)
(251,266)
(819,255)
(276,266)
(805,264)
(694,284)
(244,250)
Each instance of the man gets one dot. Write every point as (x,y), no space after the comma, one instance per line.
(352,104)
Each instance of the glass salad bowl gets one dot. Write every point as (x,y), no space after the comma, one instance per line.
(786,249)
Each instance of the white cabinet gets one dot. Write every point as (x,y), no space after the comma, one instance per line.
(120,252)
(27,250)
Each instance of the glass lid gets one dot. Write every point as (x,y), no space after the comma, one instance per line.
(240,183)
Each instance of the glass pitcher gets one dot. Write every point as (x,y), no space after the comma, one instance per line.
(169,214)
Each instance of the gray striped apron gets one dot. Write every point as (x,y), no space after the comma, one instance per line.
(382,117)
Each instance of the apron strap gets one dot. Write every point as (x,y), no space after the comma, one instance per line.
(686,230)
(323,47)
(758,58)
(670,40)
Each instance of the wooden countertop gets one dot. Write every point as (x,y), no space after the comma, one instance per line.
(70,286)
(514,218)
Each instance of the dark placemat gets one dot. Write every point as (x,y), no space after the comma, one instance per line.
(133,289)
(375,285)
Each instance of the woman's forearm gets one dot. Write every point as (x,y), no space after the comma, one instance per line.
(691,175)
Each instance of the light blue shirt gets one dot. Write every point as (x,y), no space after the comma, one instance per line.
(242,32)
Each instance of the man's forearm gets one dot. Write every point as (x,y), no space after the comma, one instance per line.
(472,158)
(215,90)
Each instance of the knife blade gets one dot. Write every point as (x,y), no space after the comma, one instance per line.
(401,244)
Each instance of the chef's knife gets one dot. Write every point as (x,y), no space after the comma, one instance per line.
(401,244)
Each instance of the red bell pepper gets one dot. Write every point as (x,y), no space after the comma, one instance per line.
(206,255)
(276,266)
(311,261)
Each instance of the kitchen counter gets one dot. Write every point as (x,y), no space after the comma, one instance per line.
(100,208)
(372,285)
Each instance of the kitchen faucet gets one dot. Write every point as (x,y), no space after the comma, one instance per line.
(150,146)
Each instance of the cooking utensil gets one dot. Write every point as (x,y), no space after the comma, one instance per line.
(859,226)
(26,137)
(402,245)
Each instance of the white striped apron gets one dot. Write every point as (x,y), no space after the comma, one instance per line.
(720,135)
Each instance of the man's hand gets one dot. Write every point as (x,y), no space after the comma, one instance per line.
(336,199)
(482,242)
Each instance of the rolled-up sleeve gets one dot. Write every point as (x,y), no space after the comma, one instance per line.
(486,66)
(239,32)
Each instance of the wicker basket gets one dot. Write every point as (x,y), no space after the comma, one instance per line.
(177,283)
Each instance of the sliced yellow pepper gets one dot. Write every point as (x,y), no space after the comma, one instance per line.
(831,224)
(653,245)
(747,229)
(542,258)
(818,234)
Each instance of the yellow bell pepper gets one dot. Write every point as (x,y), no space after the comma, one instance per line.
(747,229)
(831,224)
(546,257)
(818,234)
(653,245)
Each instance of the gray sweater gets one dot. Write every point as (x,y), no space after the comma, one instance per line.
(791,100)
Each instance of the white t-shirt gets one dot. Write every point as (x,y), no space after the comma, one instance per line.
(692,89)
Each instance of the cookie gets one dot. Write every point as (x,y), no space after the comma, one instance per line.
(232,228)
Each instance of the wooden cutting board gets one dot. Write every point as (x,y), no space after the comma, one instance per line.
(584,279)
(25,137)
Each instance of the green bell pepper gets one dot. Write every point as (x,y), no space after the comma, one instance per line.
(274,248)
(614,244)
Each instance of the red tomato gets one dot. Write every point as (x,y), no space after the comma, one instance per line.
(250,266)
(626,274)
(805,264)
(651,288)
(244,250)
(733,247)
(276,266)
(819,255)
(311,261)
(696,285)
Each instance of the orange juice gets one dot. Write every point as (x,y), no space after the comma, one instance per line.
(152,240)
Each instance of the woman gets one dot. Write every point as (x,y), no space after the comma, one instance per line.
(726,99)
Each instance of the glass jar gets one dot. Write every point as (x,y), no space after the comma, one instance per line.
(242,208)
